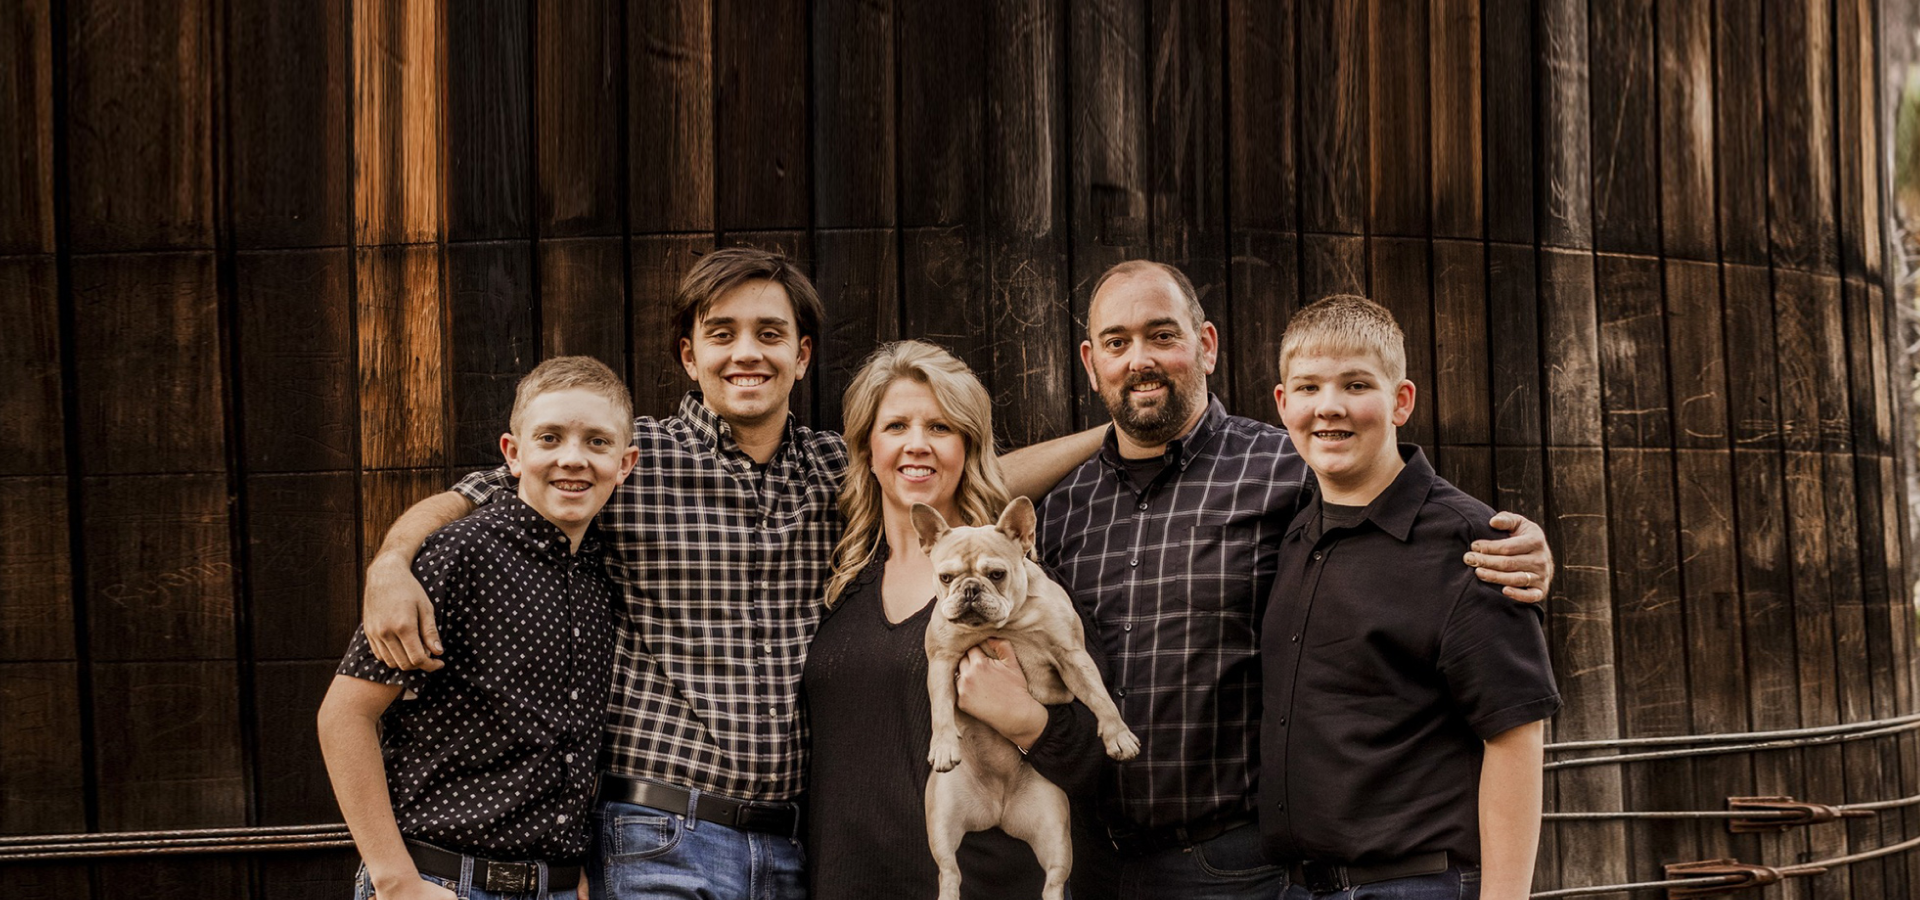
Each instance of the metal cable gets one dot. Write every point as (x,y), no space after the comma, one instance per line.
(1834,738)
(1638,886)
(1872,806)
(1613,743)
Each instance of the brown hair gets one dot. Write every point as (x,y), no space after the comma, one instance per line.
(982,490)
(1346,324)
(568,372)
(725,269)
(1137,266)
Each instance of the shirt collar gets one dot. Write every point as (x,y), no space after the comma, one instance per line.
(1393,512)
(716,432)
(544,534)
(1181,451)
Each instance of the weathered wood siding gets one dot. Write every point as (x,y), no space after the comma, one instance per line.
(270,268)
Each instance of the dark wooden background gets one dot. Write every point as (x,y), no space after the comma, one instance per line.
(270,268)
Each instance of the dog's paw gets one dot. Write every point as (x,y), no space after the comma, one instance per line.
(1123,746)
(944,756)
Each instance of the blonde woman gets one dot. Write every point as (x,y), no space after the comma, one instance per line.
(919,429)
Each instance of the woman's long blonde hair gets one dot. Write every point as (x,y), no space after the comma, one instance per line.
(982,491)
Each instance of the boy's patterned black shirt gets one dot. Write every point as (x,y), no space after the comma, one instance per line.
(495,755)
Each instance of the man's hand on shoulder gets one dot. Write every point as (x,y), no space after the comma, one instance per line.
(1521,564)
(398,617)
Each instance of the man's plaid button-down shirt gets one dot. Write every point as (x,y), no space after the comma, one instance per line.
(1177,577)
(721,563)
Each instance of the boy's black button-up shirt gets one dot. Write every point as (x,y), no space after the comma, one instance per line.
(1174,574)
(1387,665)
(495,755)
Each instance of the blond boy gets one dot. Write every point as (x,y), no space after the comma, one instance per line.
(479,780)
(1404,698)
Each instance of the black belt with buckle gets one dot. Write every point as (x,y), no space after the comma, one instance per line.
(1151,840)
(1323,876)
(765,818)
(492,875)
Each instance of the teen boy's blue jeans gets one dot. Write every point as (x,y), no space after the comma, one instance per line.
(644,853)
(1457,883)
(464,889)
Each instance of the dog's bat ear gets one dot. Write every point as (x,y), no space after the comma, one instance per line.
(1017,521)
(929,524)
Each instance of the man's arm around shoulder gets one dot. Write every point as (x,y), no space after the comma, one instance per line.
(395,611)
(1033,471)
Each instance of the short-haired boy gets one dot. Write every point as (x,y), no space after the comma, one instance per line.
(480,779)
(1404,698)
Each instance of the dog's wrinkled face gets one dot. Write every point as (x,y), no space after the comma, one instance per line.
(982,570)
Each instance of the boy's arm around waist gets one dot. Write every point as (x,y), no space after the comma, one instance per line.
(350,744)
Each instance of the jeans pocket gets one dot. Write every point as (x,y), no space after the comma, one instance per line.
(642,836)
(1229,860)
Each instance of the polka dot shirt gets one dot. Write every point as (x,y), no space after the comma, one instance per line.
(493,755)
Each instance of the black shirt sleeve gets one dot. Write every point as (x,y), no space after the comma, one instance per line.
(1493,656)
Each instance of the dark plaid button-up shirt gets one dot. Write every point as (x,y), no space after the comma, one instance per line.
(1177,575)
(721,562)
(493,754)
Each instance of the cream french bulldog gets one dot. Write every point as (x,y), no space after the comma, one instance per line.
(991,587)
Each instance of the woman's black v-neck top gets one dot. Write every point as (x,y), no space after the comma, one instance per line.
(866,692)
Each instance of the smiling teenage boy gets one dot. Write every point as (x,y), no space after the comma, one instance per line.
(1403,698)
(480,781)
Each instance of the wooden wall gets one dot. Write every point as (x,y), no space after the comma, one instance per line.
(271,267)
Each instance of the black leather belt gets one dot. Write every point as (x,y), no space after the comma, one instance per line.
(1321,876)
(765,818)
(492,875)
(1151,840)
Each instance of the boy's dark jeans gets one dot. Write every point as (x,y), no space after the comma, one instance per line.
(1456,883)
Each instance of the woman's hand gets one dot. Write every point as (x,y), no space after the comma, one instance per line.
(993,688)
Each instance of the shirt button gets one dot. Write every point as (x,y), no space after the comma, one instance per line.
(576,632)
(768,646)
(1283,721)
(1280,806)
(1133,562)
(575,695)
(560,819)
(1141,506)
(1119,692)
(772,712)
(1316,554)
(570,756)
(1295,639)
(1127,626)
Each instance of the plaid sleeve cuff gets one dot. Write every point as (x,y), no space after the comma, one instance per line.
(485,487)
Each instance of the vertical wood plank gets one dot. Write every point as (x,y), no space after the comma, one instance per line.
(857,275)
(580,70)
(1403,284)
(1262,114)
(1398,175)
(1034,363)
(39,770)
(383,497)
(1740,125)
(942,108)
(658,381)
(36,622)
(296,403)
(30,357)
(1456,104)
(149,376)
(490,295)
(1509,102)
(26,146)
(1513,315)
(1461,379)
(1570,339)
(289,178)
(172,879)
(1187,139)
(170,757)
(489,120)
(1633,353)
(1626,170)
(302,569)
(1686,99)
(399,64)
(139,125)
(854,113)
(1333,114)
(760,116)
(1858,138)
(1564,124)
(292,779)
(1332,264)
(670,115)
(159,571)
(402,357)
(943,286)
(1266,293)
(1800,152)
(583,299)
(1696,349)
